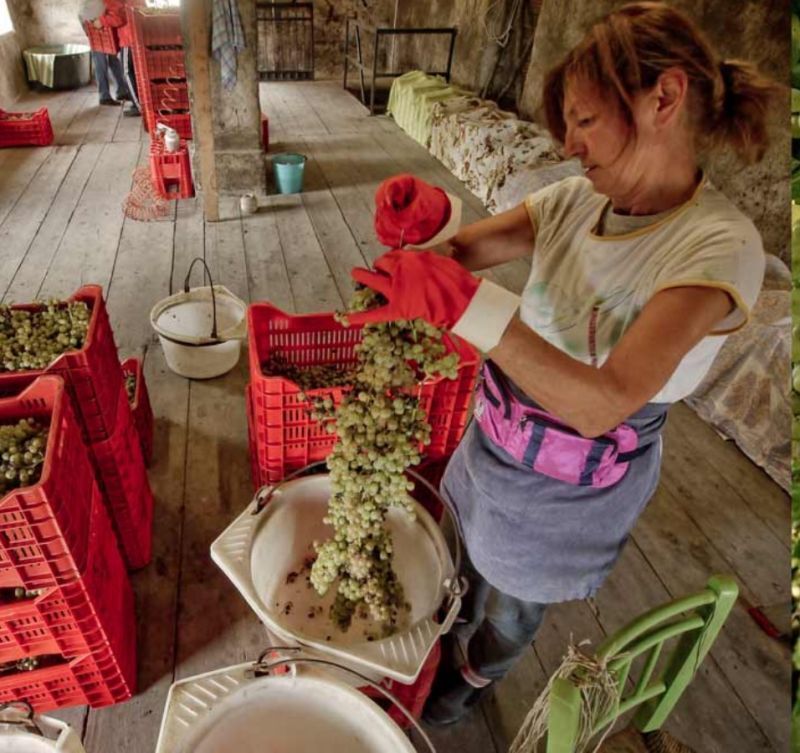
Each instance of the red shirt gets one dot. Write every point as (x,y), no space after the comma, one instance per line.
(115,17)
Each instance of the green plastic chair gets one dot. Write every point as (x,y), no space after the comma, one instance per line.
(695,620)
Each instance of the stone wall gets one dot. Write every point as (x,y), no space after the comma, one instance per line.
(755,30)
(480,62)
(12,77)
(329,24)
(47,21)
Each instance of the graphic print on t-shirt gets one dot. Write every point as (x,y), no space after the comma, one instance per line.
(583,324)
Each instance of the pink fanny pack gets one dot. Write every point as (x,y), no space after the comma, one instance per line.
(539,440)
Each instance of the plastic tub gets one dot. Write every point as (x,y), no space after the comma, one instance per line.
(59,66)
(200,329)
(259,549)
(22,732)
(288,170)
(184,326)
(302,711)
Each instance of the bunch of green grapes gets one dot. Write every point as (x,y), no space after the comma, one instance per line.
(380,428)
(32,340)
(22,447)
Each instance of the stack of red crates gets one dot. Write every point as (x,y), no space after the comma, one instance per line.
(283,436)
(65,597)
(94,383)
(158,58)
(26,128)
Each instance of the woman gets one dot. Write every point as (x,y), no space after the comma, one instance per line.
(638,271)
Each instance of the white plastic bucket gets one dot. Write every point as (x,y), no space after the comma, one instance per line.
(302,711)
(200,329)
(259,550)
(22,732)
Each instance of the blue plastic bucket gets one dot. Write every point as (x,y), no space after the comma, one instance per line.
(288,170)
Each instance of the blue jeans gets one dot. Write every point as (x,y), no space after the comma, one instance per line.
(102,64)
(496,628)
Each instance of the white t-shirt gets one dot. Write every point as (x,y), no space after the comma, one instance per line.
(585,290)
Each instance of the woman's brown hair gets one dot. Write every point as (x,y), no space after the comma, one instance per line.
(625,52)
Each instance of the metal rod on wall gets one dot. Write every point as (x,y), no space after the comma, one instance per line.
(393,61)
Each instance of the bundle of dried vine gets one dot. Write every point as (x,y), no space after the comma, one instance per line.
(599,697)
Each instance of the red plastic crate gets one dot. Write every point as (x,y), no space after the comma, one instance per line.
(92,374)
(140,407)
(44,528)
(75,682)
(126,490)
(162,64)
(264,132)
(26,128)
(413,696)
(86,616)
(255,471)
(103,39)
(171,172)
(167,97)
(154,27)
(286,437)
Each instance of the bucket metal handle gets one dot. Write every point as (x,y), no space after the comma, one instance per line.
(20,707)
(211,286)
(456,586)
(266,492)
(264,666)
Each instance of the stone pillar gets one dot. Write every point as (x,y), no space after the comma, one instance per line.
(235,113)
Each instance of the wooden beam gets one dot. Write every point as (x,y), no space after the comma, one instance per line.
(198,53)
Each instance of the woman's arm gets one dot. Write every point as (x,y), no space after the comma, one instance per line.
(492,241)
(595,400)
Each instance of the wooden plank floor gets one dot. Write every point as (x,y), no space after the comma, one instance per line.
(61,225)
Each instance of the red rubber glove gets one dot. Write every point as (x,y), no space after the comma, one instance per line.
(417,285)
(425,285)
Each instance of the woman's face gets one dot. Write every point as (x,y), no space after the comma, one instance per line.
(603,140)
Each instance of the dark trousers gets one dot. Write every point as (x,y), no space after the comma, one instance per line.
(102,64)
(495,628)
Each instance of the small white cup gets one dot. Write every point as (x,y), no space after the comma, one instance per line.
(248,203)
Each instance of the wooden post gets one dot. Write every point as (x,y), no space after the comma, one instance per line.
(199,50)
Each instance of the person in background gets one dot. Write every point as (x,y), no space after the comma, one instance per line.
(639,270)
(115,17)
(93,11)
